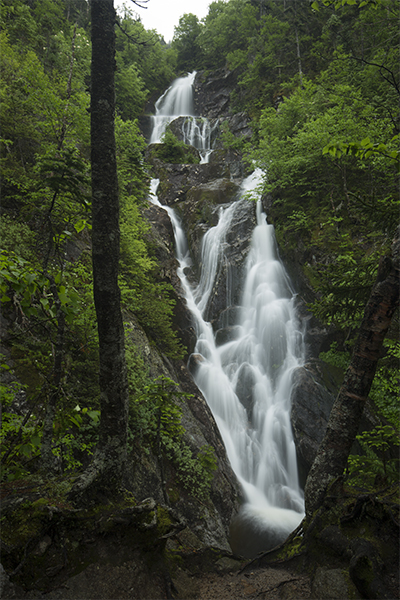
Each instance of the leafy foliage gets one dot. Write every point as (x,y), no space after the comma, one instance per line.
(156,419)
(384,390)
(332,194)
(378,465)
(141,291)
(45,272)
(365,149)
(145,65)
(172,150)
(186,43)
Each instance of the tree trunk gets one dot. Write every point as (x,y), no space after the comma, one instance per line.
(344,419)
(106,469)
(48,461)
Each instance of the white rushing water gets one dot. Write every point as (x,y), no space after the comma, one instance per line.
(177,101)
(247,381)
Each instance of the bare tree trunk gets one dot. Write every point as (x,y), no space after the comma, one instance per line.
(48,460)
(298,45)
(106,469)
(298,56)
(345,416)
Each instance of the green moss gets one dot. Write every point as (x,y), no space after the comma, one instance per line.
(173,560)
(22,524)
(173,495)
(38,504)
(364,570)
(149,517)
(172,150)
(309,272)
(164,521)
(292,549)
(129,498)
(205,210)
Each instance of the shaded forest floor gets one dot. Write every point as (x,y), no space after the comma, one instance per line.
(260,584)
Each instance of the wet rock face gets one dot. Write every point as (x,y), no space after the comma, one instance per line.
(182,127)
(212,93)
(315,388)
(177,179)
(227,290)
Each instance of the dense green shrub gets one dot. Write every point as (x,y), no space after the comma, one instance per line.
(172,150)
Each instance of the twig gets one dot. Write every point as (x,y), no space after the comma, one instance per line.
(145,43)
(277,586)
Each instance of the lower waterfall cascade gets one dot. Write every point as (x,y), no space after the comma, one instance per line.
(247,380)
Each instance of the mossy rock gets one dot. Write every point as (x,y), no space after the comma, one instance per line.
(350,544)
(219,191)
(46,541)
(178,153)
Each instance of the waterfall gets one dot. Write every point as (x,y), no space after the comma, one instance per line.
(177,101)
(247,380)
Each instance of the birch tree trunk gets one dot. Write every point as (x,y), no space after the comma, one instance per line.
(345,416)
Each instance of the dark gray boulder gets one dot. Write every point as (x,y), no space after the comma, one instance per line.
(177,179)
(315,387)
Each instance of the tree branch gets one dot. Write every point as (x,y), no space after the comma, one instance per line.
(145,43)
(380,67)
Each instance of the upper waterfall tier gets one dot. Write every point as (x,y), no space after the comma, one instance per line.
(177,101)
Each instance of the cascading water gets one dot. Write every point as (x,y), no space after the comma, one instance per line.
(247,381)
(177,101)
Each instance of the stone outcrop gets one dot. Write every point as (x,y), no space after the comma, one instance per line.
(125,549)
(315,387)
(147,476)
(349,546)
(212,93)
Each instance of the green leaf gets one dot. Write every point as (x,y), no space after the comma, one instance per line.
(69,317)
(25,449)
(80,225)
(45,303)
(94,415)
(30,277)
(30,311)
(63,297)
